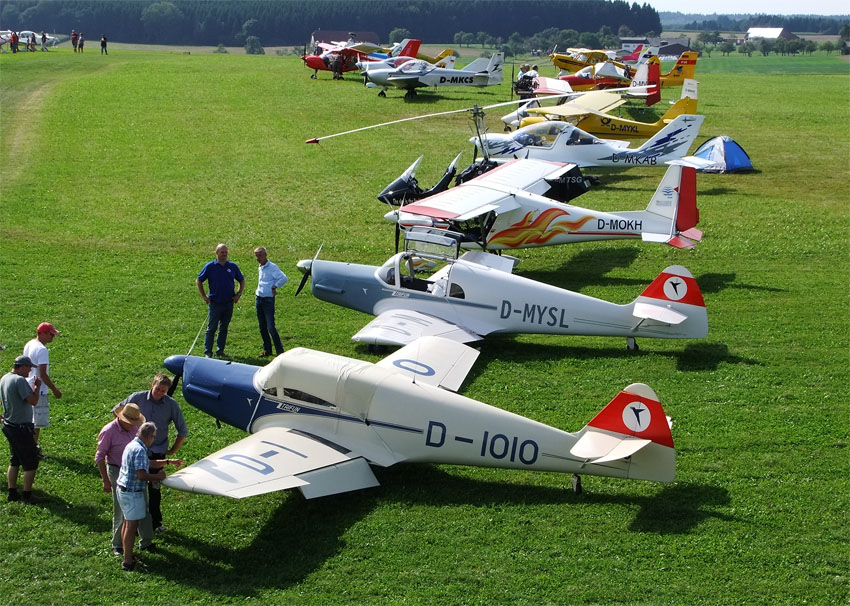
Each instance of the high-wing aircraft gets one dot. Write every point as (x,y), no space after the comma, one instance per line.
(609,75)
(318,421)
(351,54)
(563,142)
(417,74)
(590,113)
(576,59)
(476,295)
(510,207)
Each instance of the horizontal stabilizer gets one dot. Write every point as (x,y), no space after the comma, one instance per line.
(599,447)
(648,311)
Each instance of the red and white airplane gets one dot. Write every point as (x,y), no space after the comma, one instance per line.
(351,53)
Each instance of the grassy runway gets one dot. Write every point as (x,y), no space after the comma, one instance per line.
(119,176)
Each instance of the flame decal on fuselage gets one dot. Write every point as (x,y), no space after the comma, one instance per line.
(538,231)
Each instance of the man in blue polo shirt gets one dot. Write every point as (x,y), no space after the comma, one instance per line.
(221,275)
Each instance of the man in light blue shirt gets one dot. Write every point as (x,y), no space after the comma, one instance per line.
(271,278)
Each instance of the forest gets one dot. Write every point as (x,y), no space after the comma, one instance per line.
(228,22)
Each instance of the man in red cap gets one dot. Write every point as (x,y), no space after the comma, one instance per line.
(36,350)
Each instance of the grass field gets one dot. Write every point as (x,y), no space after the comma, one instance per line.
(120,174)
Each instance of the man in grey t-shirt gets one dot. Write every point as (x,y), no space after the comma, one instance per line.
(18,401)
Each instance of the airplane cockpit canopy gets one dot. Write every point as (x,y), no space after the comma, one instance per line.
(417,66)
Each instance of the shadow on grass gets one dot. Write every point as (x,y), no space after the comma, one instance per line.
(714,282)
(301,535)
(590,268)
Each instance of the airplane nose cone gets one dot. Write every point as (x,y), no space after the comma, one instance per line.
(175,364)
(304,266)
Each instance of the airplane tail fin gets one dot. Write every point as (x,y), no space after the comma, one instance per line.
(672,306)
(685,68)
(634,429)
(675,200)
(446,62)
(648,76)
(687,104)
(494,68)
(409,48)
(674,140)
(646,54)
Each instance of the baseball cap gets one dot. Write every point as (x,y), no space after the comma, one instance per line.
(23,361)
(47,327)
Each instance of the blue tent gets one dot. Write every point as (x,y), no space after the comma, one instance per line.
(725,154)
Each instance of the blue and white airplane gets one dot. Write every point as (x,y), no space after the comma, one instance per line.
(562,142)
(319,421)
(477,295)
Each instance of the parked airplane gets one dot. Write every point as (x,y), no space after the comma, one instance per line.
(563,142)
(395,62)
(508,207)
(476,295)
(576,59)
(318,421)
(351,54)
(416,74)
(590,114)
(609,75)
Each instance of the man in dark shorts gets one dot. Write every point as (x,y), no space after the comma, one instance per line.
(19,398)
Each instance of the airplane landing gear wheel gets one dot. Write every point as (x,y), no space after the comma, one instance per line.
(507,129)
(314,77)
(410,93)
(576,482)
(382,94)
(631,344)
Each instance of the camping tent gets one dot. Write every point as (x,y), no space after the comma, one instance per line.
(725,155)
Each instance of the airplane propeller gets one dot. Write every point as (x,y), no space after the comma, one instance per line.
(306,267)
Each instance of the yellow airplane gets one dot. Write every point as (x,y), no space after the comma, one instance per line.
(589,113)
(446,52)
(577,58)
(685,68)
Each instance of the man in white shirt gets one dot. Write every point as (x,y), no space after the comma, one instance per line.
(271,278)
(36,350)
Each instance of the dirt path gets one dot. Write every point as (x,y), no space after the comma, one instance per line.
(27,116)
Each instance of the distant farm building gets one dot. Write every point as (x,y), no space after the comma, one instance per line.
(770,33)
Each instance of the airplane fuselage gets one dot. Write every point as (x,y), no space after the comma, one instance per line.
(385,417)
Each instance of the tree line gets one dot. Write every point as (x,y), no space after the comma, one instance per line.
(228,22)
(793,23)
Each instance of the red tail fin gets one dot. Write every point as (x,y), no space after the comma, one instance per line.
(654,80)
(687,215)
(675,284)
(636,411)
(411,49)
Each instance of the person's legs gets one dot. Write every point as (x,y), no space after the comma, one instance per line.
(225,313)
(271,327)
(212,326)
(154,506)
(117,517)
(262,321)
(128,537)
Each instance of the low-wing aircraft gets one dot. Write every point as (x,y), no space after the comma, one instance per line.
(318,421)
(563,142)
(352,54)
(395,62)
(510,207)
(609,75)
(418,74)
(590,114)
(476,295)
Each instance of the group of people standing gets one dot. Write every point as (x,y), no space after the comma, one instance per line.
(135,446)
(29,41)
(222,275)
(78,41)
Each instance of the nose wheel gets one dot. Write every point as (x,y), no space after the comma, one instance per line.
(382,93)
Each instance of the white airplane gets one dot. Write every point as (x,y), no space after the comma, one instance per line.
(420,73)
(24,38)
(318,421)
(516,206)
(395,62)
(476,295)
(563,142)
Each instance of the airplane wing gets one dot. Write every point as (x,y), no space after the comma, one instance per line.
(551,86)
(404,81)
(403,326)
(435,361)
(596,102)
(495,190)
(272,459)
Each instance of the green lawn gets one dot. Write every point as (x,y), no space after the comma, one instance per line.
(120,174)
